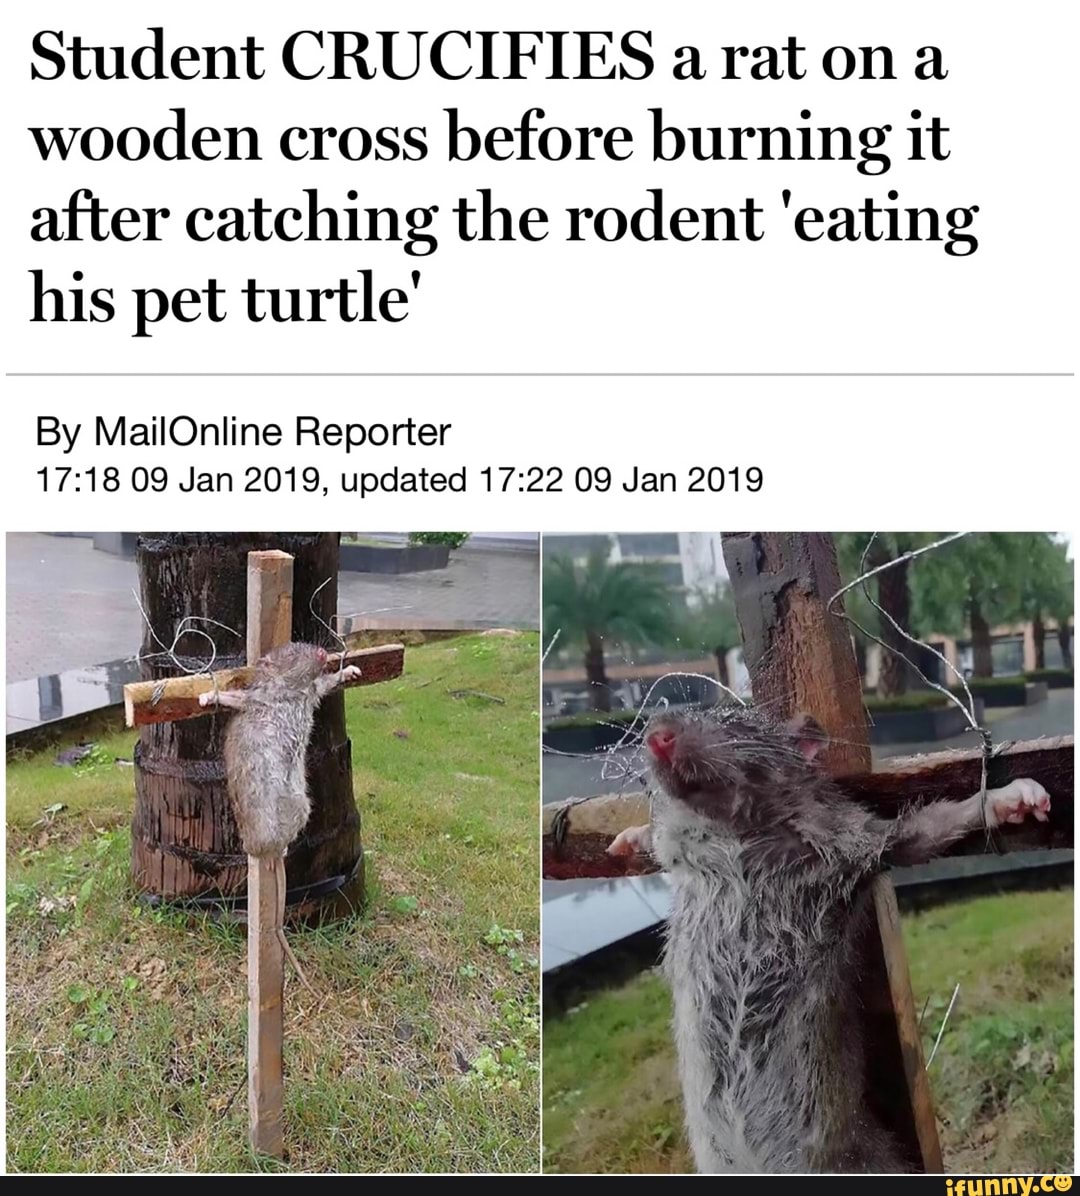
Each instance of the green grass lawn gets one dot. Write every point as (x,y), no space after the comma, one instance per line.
(1002,1079)
(418,1049)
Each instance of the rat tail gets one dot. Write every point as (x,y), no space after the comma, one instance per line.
(289,955)
(293,960)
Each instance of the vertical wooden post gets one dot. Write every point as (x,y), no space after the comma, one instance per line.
(800,658)
(269,624)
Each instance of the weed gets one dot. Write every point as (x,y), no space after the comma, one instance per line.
(126,1022)
(1002,1079)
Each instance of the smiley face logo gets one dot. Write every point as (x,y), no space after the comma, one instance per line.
(1062,1182)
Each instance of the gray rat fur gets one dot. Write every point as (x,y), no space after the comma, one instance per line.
(266,744)
(771,866)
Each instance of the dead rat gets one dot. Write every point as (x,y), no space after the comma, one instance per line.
(770,864)
(266,751)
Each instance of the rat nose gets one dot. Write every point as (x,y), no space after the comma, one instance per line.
(662,744)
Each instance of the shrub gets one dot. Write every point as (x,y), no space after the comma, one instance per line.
(453,539)
(982,684)
(590,718)
(920,700)
(621,718)
(1061,676)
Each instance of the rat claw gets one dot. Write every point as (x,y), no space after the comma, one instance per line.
(1019,798)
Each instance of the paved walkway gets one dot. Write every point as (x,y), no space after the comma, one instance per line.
(69,605)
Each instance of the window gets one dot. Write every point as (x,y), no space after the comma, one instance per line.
(576,547)
(649,544)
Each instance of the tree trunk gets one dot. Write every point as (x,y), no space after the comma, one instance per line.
(1065,640)
(1038,634)
(982,655)
(185,844)
(895,599)
(721,667)
(596,673)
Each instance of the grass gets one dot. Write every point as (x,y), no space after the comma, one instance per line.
(419,1048)
(1003,1077)
(1002,1080)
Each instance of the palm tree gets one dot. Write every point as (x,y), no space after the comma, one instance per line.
(713,626)
(1047,590)
(977,581)
(601,603)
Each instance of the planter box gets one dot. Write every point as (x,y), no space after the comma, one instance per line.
(1023,693)
(597,737)
(920,726)
(117,543)
(1062,680)
(390,558)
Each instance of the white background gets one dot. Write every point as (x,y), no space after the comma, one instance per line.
(780,304)
(837,452)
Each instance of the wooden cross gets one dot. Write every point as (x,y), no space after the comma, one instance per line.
(269,625)
(801,659)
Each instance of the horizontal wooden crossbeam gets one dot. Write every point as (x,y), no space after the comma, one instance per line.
(577,834)
(177,698)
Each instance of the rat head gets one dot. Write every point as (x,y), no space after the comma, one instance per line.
(295,664)
(732,761)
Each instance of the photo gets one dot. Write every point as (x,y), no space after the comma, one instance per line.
(807,852)
(273,852)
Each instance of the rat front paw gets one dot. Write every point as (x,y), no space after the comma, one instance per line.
(208,699)
(632,841)
(351,673)
(1016,801)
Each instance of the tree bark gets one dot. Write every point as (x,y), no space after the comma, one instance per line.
(596,673)
(894,598)
(1038,634)
(799,653)
(185,843)
(982,655)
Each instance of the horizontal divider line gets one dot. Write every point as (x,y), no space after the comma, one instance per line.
(543,374)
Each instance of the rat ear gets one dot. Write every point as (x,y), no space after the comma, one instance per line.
(810,738)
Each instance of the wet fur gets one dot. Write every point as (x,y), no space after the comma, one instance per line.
(771,867)
(266,746)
